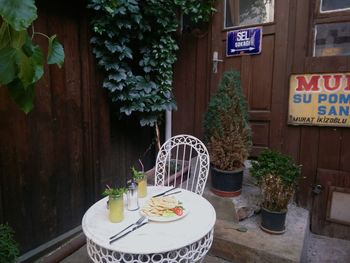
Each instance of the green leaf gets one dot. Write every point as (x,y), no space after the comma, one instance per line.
(109,10)
(26,70)
(113,66)
(18,38)
(8,67)
(11,37)
(118,76)
(37,62)
(4,35)
(23,96)
(120,10)
(55,54)
(113,47)
(31,67)
(126,110)
(147,69)
(18,13)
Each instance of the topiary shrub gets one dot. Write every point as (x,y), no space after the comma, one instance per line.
(226,128)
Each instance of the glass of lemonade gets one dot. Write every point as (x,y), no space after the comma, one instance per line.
(116,208)
(141,179)
(142,186)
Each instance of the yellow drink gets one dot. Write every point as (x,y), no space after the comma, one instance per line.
(116,208)
(142,187)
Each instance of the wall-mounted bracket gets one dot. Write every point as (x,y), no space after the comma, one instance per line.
(216,60)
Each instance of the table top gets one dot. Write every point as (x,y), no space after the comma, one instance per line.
(154,237)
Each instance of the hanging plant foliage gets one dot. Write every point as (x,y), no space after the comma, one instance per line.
(22,61)
(134,43)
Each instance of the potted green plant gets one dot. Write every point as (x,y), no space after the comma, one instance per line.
(115,203)
(227,135)
(277,176)
(8,247)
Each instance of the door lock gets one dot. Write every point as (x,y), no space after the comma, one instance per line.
(216,60)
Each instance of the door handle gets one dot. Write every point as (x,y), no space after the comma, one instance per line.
(216,60)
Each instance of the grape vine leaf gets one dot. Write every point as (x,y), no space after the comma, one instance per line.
(55,54)
(23,96)
(18,13)
(8,67)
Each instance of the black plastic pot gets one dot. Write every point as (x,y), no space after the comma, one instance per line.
(273,222)
(226,183)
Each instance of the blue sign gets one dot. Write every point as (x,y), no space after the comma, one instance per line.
(244,42)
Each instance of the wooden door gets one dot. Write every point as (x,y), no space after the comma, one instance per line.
(262,76)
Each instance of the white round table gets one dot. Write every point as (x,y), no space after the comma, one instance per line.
(187,239)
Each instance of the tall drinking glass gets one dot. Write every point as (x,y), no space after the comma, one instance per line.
(116,208)
(142,186)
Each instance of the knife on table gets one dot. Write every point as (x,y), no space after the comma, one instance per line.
(164,192)
(123,235)
(172,193)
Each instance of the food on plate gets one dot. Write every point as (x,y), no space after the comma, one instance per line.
(164,206)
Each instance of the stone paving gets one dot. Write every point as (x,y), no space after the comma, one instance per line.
(320,249)
(81,256)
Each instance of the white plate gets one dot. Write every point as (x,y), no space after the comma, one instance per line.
(165,218)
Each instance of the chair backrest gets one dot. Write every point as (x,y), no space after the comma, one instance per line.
(183,161)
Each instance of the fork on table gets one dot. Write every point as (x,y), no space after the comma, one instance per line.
(138,222)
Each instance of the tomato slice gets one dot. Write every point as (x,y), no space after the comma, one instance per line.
(178,210)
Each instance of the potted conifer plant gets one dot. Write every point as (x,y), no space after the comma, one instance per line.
(227,135)
(277,176)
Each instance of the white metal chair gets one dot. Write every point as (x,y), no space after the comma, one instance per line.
(183,161)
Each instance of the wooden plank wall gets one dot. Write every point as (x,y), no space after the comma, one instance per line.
(323,151)
(55,161)
(191,83)
(314,147)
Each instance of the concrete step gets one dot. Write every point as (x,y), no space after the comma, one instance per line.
(256,245)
